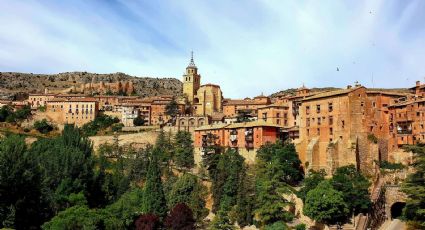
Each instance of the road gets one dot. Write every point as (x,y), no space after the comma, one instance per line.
(396,224)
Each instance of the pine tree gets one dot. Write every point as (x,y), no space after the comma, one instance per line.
(183,147)
(153,197)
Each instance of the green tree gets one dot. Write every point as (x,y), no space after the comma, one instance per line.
(43,126)
(23,113)
(243,211)
(21,201)
(5,111)
(310,182)
(183,147)
(189,190)
(172,108)
(163,148)
(414,187)
(354,187)
(326,205)
(139,121)
(154,201)
(287,165)
(225,183)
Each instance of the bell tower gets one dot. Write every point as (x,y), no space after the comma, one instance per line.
(191,80)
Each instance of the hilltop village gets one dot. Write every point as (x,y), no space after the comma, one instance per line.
(330,129)
(250,163)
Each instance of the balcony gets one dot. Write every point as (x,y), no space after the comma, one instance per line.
(404,132)
(249,138)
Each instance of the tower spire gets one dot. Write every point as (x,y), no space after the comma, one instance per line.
(192,63)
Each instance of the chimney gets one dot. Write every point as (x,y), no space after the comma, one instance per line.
(349,86)
(418,83)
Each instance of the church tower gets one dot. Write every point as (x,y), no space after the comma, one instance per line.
(191,80)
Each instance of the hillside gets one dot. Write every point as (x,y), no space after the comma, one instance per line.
(12,83)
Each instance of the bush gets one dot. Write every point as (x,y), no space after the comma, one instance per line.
(390,166)
(43,126)
(99,123)
(372,138)
(117,127)
(26,130)
(139,121)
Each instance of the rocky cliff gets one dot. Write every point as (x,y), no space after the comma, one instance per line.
(12,84)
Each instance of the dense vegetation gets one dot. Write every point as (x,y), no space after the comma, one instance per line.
(99,123)
(414,187)
(59,184)
(7,114)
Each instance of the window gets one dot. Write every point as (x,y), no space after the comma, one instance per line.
(331,120)
(318,131)
(308,122)
(330,106)
(317,108)
(307,110)
(319,121)
(308,132)
(278,115)
(331,131)
(343,123)
(374,104)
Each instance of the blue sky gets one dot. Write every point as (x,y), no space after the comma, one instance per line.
(248,47)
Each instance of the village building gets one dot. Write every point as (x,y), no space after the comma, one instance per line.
(36,100)
(232,108)
(245,137)
(206,99)
(74,110)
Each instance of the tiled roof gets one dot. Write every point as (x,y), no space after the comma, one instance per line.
(245,102)
(211,127)
(331,93)
(252,124)
(74,99)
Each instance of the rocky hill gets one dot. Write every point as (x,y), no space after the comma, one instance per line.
(12,84)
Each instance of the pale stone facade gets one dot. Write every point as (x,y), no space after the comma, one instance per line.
(208,100)
(39,100)
(78,111)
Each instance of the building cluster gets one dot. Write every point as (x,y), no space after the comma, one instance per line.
(329,129)
(80,109)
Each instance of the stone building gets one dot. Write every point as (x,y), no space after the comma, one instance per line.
(206,99)
(36,100)
(342,127)
(246,137)
(191,81)
(233,107)
(78,111)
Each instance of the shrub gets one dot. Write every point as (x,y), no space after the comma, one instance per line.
(372,138)
(138,121)
(43,126)
(117,127)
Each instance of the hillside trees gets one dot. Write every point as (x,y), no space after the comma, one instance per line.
(21,201)
(154,199)
(414,187)
(183,150)
(326,205)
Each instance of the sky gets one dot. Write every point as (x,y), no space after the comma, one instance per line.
(248,47)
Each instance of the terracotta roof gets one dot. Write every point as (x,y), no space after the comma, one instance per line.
(211,127)
(387,92)
(273,106)
(244,102)
(407,102)
(42,94)
(332,93)
(73,99)
(209,84)
(252,124)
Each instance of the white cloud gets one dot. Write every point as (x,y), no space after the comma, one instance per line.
(247,47)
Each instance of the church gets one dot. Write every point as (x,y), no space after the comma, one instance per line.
(205,100)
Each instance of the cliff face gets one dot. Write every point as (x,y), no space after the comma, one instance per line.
(12,83)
